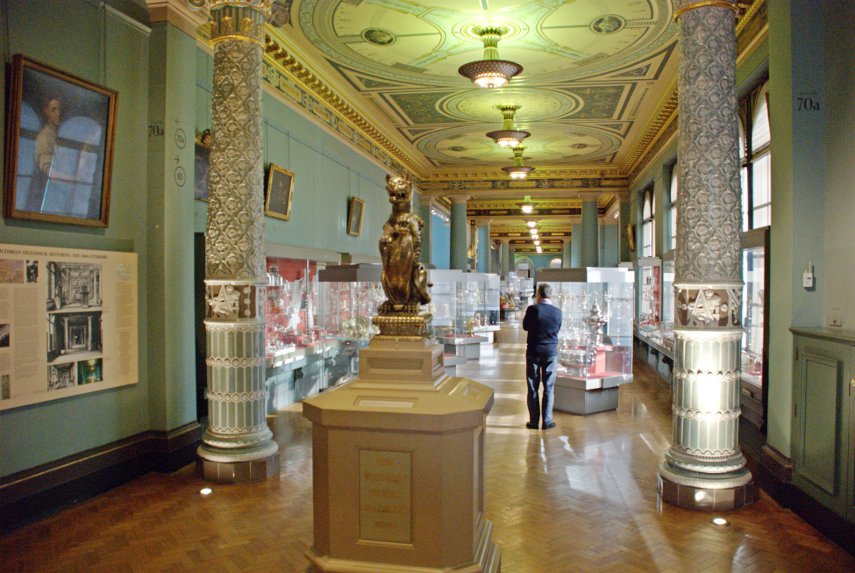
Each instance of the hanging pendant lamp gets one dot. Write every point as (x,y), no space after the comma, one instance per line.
(509,135)
(518,170)
(491,72)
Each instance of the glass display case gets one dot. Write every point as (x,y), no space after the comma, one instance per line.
(509,299)
(753,348)
(595,340)
(290,305)
(446,296)
(649,293)
(666,327)
(348,300)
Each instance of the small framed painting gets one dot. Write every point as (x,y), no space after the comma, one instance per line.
(280,186)
(59,146)
(354,216)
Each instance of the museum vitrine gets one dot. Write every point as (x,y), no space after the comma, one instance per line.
(649,293)
(595,340)
(348,301)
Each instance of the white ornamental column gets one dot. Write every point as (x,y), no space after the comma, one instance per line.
(704,467)
(237,445)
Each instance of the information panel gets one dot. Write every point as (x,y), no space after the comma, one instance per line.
(68,323)
(385,501)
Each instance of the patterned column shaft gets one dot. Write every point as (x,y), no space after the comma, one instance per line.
(506,257)
(235,279)
(590,233)
(708,283)
(459,234)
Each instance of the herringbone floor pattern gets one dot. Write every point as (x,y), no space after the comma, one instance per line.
(581,497)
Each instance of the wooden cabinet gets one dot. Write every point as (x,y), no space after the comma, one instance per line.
(824,418)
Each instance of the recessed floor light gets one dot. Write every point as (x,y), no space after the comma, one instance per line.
(720,521)
(206,491)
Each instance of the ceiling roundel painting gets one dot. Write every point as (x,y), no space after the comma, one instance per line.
(592,70)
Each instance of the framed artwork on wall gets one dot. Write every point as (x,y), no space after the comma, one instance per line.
(202,165)
(59,146)
(280,187)
(355,210)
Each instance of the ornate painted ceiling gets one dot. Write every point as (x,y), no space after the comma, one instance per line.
(597,86)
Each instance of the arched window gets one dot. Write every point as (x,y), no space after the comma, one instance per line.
(755,159)
(672,204)
(555,263)
(648,242)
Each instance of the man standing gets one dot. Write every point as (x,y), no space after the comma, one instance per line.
(542,322)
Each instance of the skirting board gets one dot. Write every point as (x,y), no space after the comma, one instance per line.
(40,491)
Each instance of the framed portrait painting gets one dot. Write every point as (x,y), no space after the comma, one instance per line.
(280,186)
(59,146)
(355,211)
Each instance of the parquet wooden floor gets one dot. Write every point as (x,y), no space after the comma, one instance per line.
(581,497)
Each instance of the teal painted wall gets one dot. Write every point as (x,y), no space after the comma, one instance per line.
(326,173)
(94,43)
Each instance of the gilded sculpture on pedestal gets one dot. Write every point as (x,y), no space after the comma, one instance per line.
(404,278)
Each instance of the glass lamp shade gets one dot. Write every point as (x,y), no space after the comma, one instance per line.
(518,172)
(490,73)
(508,137)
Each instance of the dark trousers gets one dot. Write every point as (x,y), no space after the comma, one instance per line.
(540,369)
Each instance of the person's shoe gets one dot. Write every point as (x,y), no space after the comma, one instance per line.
(530,426)
(549,426)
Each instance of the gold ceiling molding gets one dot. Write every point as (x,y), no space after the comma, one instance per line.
(288,64)
(544,173)
(667,113)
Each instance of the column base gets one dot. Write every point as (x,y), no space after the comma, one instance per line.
(240,465)
(706,492)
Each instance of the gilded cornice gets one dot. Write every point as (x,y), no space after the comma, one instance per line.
(329,107)
(663,126)
(179,13)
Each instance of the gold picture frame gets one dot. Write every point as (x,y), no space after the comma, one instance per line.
(279,192)
(355,214)
(60,131)
(629,234)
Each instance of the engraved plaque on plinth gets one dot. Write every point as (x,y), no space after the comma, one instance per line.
(385,501)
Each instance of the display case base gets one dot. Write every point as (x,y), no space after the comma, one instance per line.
(584,396)
(468,347)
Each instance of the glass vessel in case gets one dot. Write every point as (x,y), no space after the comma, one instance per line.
(649,293)
(595,340)
(349,296)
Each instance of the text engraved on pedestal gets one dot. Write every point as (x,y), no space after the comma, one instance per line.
(385,501)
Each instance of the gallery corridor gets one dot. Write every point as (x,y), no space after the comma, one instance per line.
(581,497)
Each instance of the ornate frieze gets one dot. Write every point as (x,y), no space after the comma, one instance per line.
(709,306)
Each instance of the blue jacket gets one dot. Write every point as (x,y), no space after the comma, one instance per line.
(542,321)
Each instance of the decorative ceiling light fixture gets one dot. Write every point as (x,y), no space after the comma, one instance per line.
(531,224)
(518,170)
(491,72)
(526,206)
(509,135)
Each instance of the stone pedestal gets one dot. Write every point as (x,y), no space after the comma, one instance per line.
(398,467)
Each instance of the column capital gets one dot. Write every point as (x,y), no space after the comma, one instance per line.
(589,196)
(459,199)
(180,13)
(426,200)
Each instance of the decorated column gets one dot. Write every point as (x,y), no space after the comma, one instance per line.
(459,232)
(237,445)
(704,468)
(565,254)
(590,231)
(506,256)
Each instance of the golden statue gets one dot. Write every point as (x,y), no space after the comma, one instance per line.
(404,278)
